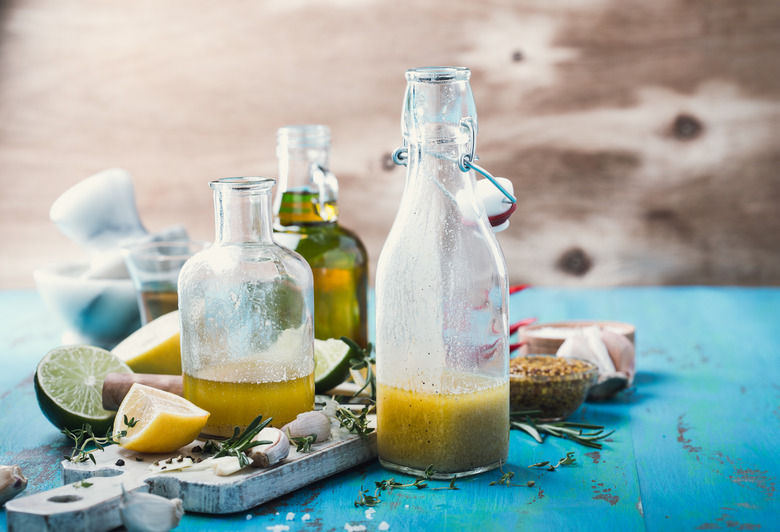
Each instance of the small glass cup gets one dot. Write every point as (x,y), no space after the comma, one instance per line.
(154,268)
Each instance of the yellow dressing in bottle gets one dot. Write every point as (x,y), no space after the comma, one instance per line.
(453,432)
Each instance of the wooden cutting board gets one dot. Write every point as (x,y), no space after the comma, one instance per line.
(75,506)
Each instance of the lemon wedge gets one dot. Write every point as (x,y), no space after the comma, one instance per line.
(161,421)
(154,348)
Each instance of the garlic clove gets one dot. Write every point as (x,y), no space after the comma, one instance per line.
(307,424)
(145,512)
(622,352)
(272,453)
(12,482)
(226,465)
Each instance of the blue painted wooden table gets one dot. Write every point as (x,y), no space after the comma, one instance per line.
(695,446)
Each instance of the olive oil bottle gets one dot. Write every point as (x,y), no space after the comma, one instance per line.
(307,222)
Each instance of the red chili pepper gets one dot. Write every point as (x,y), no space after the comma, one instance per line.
(518,288)
(522,323)
(515,347)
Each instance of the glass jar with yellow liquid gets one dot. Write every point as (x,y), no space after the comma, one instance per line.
(307,221)
(246,310)
(442,345)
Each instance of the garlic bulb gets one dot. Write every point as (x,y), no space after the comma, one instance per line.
(589,344)
(145,512)
(622,352)
(309,423)
(270,453)
(12,482)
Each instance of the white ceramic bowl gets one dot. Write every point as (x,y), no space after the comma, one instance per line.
(100,312)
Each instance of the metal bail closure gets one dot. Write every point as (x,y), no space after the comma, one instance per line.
(466,161)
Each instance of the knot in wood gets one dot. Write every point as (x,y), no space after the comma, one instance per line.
(575,262)
(517,56)
(686,127)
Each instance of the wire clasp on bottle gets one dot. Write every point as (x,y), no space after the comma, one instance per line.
(466,160)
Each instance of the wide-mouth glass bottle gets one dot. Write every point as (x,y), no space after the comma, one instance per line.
(246,316)
(441,298)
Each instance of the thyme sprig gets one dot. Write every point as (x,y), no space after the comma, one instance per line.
(355,423)
(565,461)
(390,484)
(84,437)
(239,442)
(506,479)
(583,433)
(367,500)
(364,359)
(303,443)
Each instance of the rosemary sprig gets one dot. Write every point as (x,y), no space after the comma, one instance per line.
(303,443)
(583,433)
(84,437)
(363,360)
(355,423)
(239,442)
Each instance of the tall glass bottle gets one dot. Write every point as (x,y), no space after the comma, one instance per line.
(246,311)
(441,298)
(307,222)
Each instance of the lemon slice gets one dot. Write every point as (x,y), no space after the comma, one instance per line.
(154,348)
(164,422)
(331,363)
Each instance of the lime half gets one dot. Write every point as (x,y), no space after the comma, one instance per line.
(331,363)
(69,386)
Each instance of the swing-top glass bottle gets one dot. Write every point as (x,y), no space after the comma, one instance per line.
(441,298)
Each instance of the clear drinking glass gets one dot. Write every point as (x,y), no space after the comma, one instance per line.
(247,340)
(154,268)
(442,345)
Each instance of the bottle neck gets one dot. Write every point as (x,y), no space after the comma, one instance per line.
(243,214)
(308,192)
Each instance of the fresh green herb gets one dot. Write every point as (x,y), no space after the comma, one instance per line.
(239,442)
(566,461)
(582,433)
(391,484)
(363,360)
(367,500)
(303,443)
(451,486)
(84,437)
(506,479)
(82,484)
(355,423)
(429,472)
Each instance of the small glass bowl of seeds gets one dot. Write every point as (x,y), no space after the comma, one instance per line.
(553,386)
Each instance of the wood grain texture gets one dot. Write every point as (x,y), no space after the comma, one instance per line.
(641,138)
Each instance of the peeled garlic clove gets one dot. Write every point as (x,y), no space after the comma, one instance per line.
(12,483)
(622,352)
(309,423)
(145,512)
(272,453)
(226,465)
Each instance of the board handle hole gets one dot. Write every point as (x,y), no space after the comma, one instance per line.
(65,498)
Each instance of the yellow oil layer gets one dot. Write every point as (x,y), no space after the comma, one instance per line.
(236,404)
(453,432)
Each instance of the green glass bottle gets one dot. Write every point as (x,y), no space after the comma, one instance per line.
(307,222)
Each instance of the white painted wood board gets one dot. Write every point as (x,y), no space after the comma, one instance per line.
(96,507)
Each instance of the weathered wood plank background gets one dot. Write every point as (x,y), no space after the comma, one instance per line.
(642,138)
